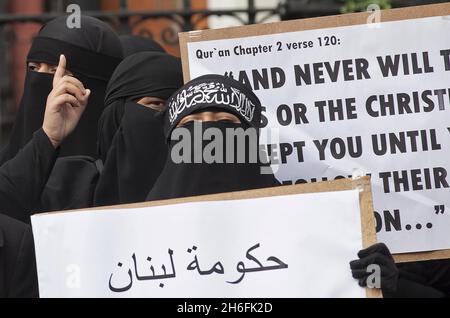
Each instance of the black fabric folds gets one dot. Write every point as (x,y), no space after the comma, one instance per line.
(71,185)
(424,279)
(80,61)
(133,44)
(151,74)
(185,179)
(108,125)
(135,160)
(30,114)
(18,275)
(131,139)
(93,35)
(142,73)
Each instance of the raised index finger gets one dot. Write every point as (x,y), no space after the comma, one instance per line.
(60,71)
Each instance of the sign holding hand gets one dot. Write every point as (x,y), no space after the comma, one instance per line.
(65,105)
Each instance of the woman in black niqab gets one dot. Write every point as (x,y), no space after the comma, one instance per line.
(136,153)
(92,51)
(193,177)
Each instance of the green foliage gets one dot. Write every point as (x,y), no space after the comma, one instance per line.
(361,5)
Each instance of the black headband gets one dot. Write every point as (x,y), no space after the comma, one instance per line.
(213,91)
(79,60)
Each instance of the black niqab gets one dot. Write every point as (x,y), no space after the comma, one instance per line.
(143,74)
(137,153)
(185,178)
(30,113)
(179,180)
(135,159)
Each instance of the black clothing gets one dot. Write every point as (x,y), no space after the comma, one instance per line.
(92,52)
(23,178)
(18,276)
(131,139)
(135,159)
(94,35)
(133,44)
(145,74)
(186,179)
(427,279)
(71,184)
(203,157)
(213,91)
(108,126)
(30,113)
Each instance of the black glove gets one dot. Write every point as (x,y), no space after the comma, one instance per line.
(380,255)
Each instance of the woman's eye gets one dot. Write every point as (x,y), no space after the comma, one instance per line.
(32,67)
(226,120)
(156,106)
(189,121)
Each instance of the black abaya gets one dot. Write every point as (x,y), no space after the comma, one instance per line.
(18,276)
(22,179)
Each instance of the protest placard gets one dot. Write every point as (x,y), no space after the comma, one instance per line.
(358,94)
(293,241)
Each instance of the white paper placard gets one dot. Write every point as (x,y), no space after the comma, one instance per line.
(290,246)
(405,144)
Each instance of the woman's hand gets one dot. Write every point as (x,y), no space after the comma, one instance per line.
(65,105)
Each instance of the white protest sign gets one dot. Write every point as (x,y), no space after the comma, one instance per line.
(296,245)
(364,99)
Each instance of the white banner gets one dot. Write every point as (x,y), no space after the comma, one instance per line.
(365,99)
(282,246)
